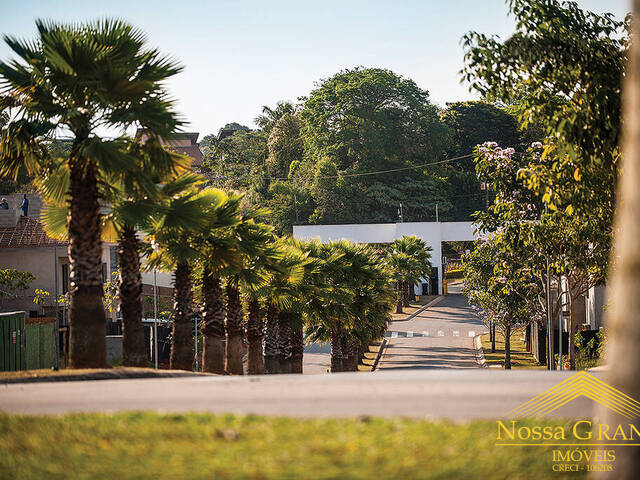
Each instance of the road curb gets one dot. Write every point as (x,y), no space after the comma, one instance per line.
(385,342)
(477,343)
(106,374)
(421,309)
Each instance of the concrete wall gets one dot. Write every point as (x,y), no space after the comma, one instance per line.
(434,233)
(595,304)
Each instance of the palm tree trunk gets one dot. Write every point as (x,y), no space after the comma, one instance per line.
(297,347)
(87,340)
(182,334)
(405,296)
(271,341)
(336,350)
(350,358)
(399,292)
(235,317)
(284,343)
(507,347)
(212,324)
(623,318)
(134,353)
(255,333)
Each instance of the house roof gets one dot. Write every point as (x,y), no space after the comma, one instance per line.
(192,151)
(27,233)
(176,144)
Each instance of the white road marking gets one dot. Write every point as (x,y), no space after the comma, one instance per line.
(440,333)
(472,333)
(425,334)
(456,333)
(409,334)
(394,334)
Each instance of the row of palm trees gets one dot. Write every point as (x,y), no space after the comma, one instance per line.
(82,80)
(410,258)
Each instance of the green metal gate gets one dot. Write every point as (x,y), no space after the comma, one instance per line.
(40,342)
(12,341)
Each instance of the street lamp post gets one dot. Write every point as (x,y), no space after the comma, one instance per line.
(155,318)
(55,276)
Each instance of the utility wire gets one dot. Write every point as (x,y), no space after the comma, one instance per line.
(364,174)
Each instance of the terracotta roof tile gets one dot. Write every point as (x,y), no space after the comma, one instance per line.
(27,233)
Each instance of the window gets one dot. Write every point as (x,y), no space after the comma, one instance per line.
(65,278)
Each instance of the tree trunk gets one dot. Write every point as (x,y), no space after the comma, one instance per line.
(399,292)
(297,347)
(212,324)
(336,350)
(283,343)
(406,299)
(87,319)
(623,318)
(271,341)
(255,333)
(577,316)
(507,347)
(182,334)
(350,358)
(134,353)
(234,326)
(493,337)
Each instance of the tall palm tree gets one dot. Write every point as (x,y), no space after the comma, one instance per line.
(270,116)
(411,258)
(84,79)
(283,297)
(132,202)
(181,220)
(358,301)
(217,248)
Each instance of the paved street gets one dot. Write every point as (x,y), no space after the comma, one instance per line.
(439,337)
(454,394)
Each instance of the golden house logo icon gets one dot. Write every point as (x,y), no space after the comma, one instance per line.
(580,384)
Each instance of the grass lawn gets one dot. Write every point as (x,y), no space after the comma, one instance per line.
(150,445)
(520,358)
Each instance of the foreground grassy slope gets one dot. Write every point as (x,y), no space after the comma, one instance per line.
(150,445)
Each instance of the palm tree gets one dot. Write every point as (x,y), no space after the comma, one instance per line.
(84,78)
(217,249)
(132,203)
(411,259)
(270,116)
(183,219)
(283,297)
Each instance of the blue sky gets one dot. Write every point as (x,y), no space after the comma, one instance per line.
(242,55)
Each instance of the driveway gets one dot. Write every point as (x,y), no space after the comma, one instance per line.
(439,337)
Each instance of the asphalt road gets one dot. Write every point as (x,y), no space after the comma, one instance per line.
(439,337)
(439,393)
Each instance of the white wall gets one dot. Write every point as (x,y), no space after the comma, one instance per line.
(433,233)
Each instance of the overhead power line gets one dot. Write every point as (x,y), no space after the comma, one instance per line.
(363,174)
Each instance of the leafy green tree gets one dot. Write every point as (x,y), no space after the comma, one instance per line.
(85,78)
(496,282)
(474,123)
(564,66)
(284,145)
(13,281)
(369,119)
